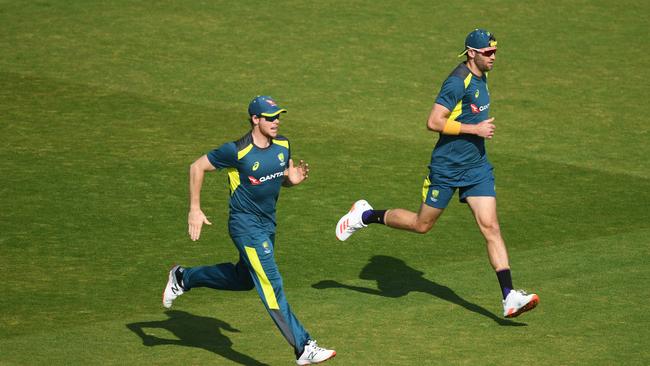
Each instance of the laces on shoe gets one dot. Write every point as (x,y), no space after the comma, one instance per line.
(313,345)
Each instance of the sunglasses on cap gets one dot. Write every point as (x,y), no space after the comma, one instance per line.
(271,119)
(486,53)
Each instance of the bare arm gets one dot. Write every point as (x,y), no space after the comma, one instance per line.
(196,218)
(439,117)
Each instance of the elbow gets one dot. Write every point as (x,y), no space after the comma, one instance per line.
(433,126)
(430,125)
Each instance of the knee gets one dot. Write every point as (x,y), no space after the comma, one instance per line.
(246,281)
(491,230)
(243,285)
(248,286)
(422,227)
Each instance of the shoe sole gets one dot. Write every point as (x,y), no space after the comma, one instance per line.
(342,225)
(169,279)
(530,306)
(314,363)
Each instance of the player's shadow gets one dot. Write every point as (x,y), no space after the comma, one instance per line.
(396,279)
(193,331)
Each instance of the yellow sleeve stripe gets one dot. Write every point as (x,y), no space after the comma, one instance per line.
(244,151)
(233,180)
(468,79)
(267,289)
(283,143)
(452,127)
(456,112)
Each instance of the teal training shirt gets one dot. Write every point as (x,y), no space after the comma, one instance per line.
(467,97)
(255,177)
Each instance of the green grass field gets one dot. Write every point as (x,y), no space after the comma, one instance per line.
(103,106)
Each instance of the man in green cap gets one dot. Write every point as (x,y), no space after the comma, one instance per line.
(458,161)
(258,164)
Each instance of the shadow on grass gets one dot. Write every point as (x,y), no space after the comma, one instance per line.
(194,331)
(396,279)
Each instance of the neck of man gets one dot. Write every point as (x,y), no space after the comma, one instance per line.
(471,65)
(259,138)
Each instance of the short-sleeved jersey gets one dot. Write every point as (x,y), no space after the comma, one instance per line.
(467,97)
(255,177)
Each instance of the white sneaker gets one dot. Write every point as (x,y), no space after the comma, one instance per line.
(172,290)
(518,302)
(351,221)
(314,354)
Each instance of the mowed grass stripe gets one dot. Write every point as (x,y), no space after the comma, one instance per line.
(425,317)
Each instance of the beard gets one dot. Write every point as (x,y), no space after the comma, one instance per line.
(483,64)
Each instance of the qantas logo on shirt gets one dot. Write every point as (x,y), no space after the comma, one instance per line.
(480,109)
(256,181)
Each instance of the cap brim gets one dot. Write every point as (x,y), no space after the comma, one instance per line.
(272,114)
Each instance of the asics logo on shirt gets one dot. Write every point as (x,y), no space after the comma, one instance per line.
(256,181)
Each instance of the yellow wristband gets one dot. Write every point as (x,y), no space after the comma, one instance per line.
(451,128)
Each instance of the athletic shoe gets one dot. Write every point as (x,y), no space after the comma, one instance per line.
(351,221)
(172,290)
(518,302)
(314,354)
